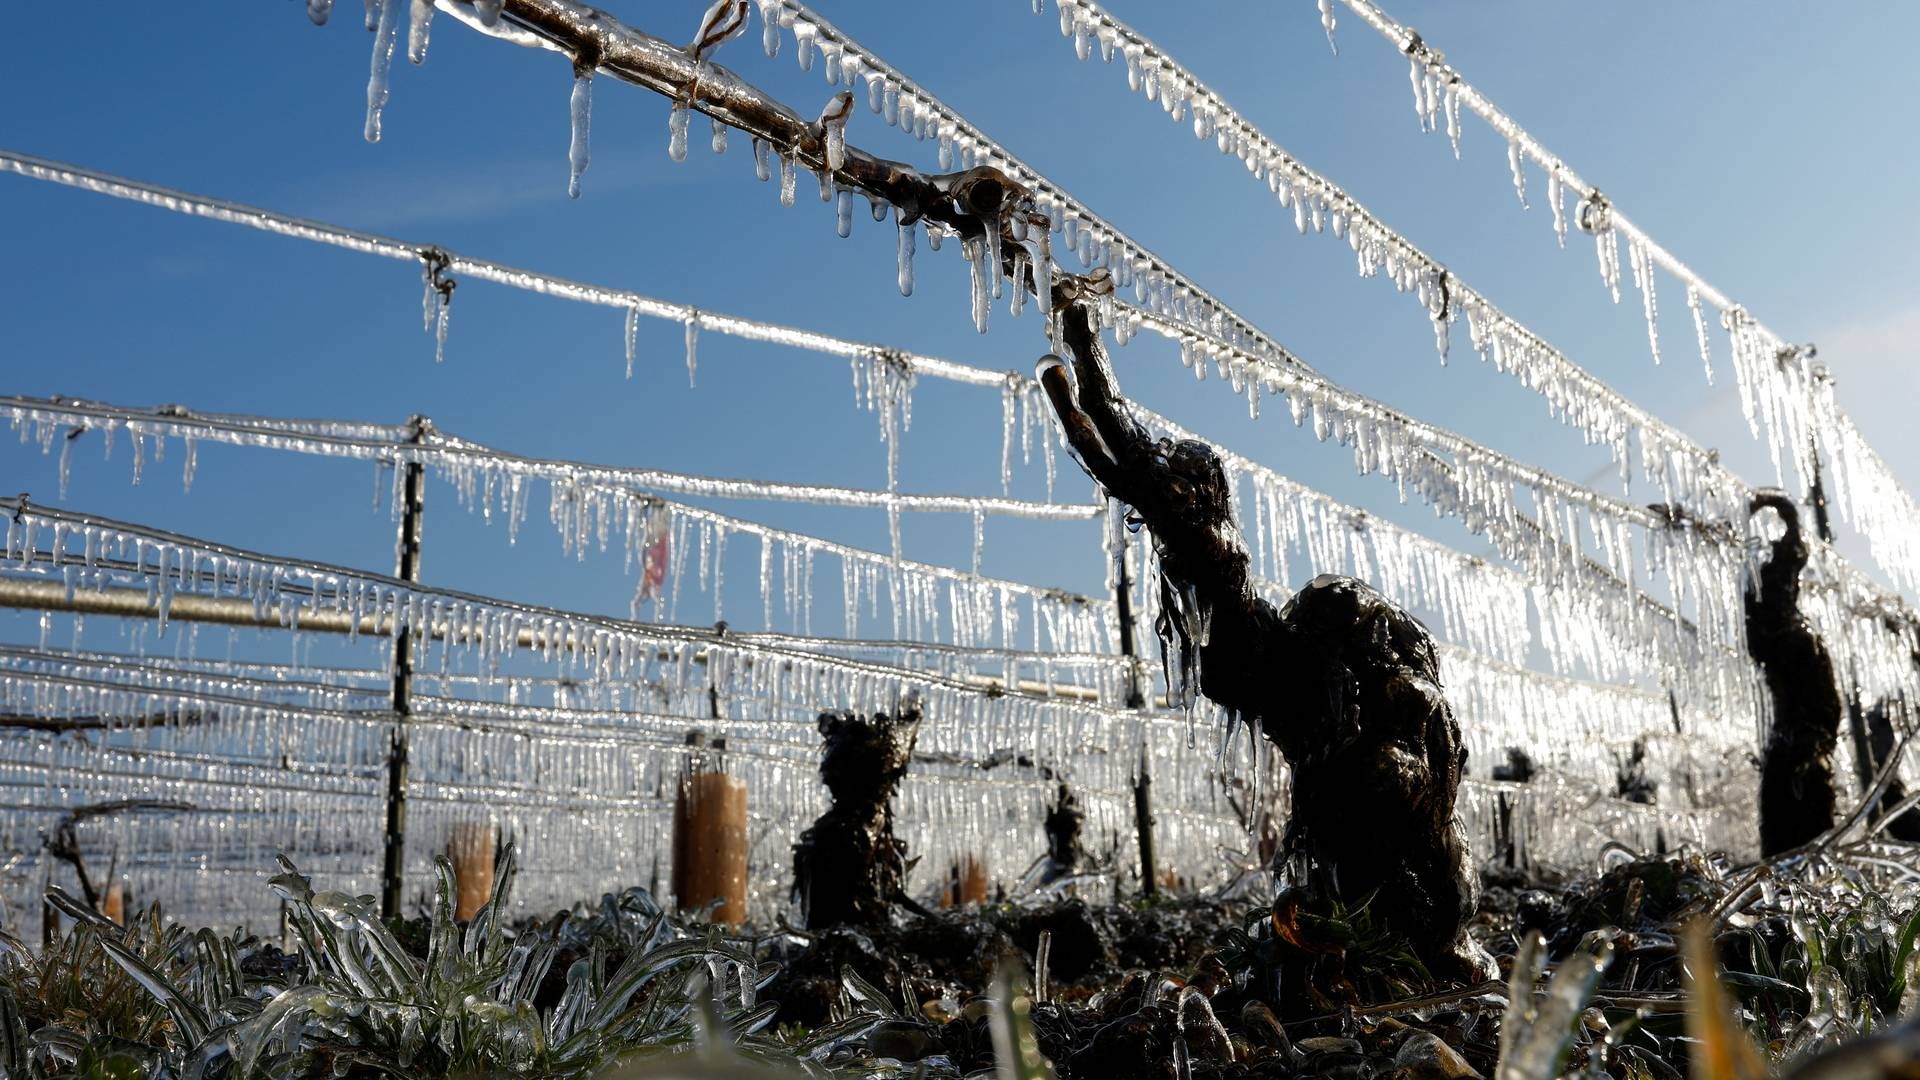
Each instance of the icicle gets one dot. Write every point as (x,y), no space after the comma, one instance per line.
(386,33)
(1595,218)
(429,296)
(1643,278)
(633,334)
(677,119)
(803,35)
(843,214)
(1607,246)
(976,255)
(761,168)
(1700,331)
(719,137)
(1453,115)
(1556,199)
(1008,390)
(441,318)
(580,108)
(1326,23)
(419,26)
(318,10)
(66,458)
(770,27)
(789,177)
(1417,77)
(1515,166)
(903,252)
(488,10)
(693,345)
(979,539)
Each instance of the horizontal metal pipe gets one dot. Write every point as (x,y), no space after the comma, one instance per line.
(229,611)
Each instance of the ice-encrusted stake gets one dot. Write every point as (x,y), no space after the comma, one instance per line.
(407,558)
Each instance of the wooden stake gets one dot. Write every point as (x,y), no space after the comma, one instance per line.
(710,845)
(470,847)
(967,882)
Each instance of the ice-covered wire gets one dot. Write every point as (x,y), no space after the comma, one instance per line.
(394,443)
(1575,395)
(532,281)
(1779,384)
(96,182)
(285,589)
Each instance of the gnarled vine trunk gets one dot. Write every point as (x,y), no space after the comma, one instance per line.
(1796,767)
(1344,682)
(849,868)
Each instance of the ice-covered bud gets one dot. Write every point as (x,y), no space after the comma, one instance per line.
(833,128)
(724,21)
(1050,364)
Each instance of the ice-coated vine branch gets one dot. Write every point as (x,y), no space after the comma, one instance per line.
(599,42)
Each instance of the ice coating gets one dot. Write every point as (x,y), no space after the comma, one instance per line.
(1676,464)
(1560,520)
(569,668)
(1550,570)
(1782,404)
(833,128)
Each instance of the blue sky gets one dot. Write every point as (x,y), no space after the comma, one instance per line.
(1767,149)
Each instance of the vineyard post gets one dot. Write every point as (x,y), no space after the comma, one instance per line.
(1123,607)
(1143,825)
(413,505)
(1136,697)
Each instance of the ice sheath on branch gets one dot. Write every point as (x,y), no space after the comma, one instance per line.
(688,76)
(1345,683)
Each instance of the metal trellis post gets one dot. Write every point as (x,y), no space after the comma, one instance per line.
(1123,606)
(393,866)
(1143,825)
